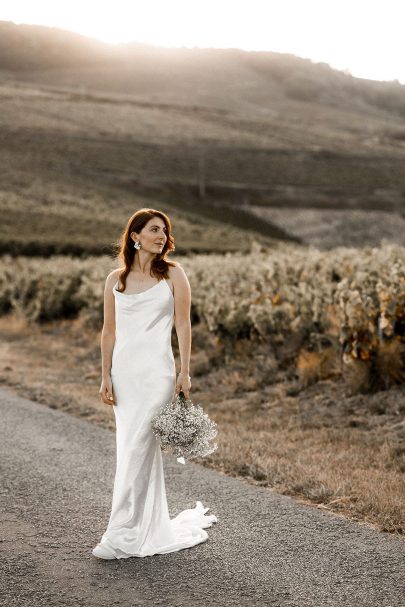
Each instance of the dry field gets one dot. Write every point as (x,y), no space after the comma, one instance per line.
(330,228)
(341,453)
(77,164)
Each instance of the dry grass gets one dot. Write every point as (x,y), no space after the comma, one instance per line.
(314,366)
(344,454)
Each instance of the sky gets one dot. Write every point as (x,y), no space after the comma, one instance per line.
(363,37)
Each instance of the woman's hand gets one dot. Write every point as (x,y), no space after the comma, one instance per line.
(183,384)
(106,391)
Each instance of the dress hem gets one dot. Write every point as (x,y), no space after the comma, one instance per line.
(192,520)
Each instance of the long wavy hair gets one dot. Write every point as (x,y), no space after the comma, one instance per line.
(126,251)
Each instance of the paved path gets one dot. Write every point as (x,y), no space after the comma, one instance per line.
(57,473)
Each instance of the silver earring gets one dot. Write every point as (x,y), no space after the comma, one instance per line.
(137,244)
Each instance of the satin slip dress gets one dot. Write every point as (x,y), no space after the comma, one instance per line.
(143,374)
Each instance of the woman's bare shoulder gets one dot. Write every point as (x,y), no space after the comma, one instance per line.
(113,277)
(176,270)
(179,277)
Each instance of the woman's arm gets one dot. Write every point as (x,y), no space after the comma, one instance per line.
(182,306)
(108,339)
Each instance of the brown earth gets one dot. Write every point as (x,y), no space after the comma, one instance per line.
(337,452)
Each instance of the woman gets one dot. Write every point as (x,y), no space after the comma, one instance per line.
(141,301)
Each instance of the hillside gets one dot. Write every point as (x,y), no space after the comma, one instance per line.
(223,134)
(232,78)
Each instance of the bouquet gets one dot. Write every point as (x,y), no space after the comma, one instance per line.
(183,429)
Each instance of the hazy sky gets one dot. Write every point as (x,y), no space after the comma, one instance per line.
(365,37)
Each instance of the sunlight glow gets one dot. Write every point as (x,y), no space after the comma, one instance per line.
(363,37)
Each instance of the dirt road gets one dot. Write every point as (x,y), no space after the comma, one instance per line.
(56,485)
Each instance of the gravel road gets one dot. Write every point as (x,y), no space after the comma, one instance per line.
(57,474)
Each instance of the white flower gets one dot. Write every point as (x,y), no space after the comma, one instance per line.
(183,429)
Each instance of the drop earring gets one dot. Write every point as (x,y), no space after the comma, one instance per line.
(137,245)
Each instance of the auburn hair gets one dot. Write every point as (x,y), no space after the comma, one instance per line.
(126,251)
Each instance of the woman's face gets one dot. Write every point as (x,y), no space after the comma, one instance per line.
(153,235)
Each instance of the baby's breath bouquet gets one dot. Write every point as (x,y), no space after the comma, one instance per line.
(183,429)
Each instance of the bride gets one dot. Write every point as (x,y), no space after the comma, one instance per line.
(142,300)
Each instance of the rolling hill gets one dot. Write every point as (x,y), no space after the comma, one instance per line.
(224,135)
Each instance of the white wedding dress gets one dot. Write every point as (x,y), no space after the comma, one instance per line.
(144,378)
